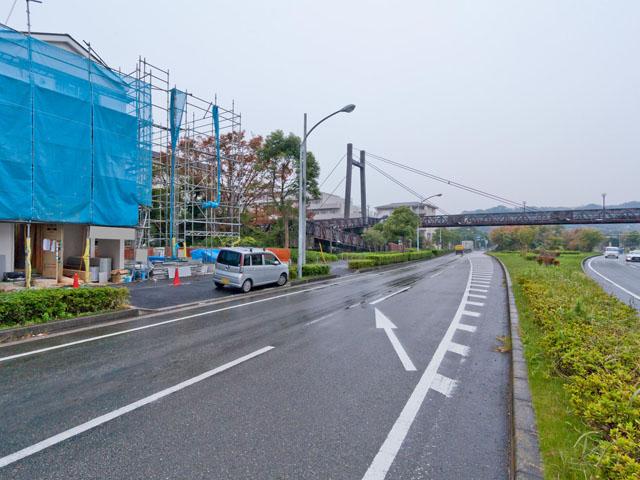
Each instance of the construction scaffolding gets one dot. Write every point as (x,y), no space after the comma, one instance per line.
(197,215)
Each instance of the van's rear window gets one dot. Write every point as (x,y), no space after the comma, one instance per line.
(228,257)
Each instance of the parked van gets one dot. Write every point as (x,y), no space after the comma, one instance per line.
(245,268)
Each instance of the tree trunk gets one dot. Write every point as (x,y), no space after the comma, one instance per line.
(285,224)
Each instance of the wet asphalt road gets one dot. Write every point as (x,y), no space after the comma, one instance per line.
(333,397)
(618,277)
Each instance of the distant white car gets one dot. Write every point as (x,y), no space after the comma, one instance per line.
(633,256)
(611,252)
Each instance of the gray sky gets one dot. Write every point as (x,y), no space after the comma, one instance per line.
(532,100)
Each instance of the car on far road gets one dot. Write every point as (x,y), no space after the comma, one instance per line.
(633,256)
(611,252)
(245,268)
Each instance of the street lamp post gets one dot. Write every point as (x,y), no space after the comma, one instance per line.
(302,186)
(418,228)
(604,195)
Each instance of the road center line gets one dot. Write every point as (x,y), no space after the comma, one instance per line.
(83,427)
(637,297)
(389,296)
(386,455)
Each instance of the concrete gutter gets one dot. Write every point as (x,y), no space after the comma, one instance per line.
(525,447)
(20,333)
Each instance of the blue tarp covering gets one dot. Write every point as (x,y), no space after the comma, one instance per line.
(208,255)
(75,137)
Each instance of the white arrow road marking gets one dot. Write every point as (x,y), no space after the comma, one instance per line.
(83,427)
(383,322)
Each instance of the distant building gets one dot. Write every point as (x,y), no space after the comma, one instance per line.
(330,206)
(419,208)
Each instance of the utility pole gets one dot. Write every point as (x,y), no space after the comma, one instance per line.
(604,195)
(302,198)
(347,191)
(363,187)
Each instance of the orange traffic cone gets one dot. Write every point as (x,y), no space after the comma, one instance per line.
(76,281)
(176,278)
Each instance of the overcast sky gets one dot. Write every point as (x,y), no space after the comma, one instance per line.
(532,100)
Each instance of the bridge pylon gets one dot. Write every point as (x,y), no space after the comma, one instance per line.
(363,185)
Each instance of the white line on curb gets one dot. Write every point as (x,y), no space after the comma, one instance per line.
(83,427)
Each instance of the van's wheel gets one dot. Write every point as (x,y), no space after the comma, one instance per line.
(246,286)
(218,285)
(282,280)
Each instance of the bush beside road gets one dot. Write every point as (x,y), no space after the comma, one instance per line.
(367,260)
(27,307)
(582,348)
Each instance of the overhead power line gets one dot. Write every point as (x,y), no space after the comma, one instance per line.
(6,22)
(452,183)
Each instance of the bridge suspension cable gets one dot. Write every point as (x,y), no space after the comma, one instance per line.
(332,192)
(332,170)
(406,187)
(452,183)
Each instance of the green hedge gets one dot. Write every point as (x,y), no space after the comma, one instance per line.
(360,263)
(593,343)
(314,256)
(40,306)
(309,270)
(378,259)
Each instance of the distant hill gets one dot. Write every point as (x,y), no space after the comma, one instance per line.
(618,228)
(590,206)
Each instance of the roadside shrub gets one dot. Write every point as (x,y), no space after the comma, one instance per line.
(593,342)
(40,306)
(309,270)
(314,256)
(360,263)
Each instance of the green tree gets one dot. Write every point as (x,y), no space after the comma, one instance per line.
(374,238)
(401,224)
(631,239)
(280,159)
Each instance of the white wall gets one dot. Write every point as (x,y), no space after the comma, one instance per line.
(7,245)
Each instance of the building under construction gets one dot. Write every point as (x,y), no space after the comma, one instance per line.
(93,159)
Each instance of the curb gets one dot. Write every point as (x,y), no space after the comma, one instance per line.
(525,447)
(19,333)
(317,278)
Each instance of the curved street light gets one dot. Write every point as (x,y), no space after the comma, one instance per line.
(302,185)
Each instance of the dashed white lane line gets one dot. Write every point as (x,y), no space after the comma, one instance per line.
(473,295)
(611,281)
(429,379)
(467,328)
(482,290)
(389,296)
(476,304)
(436,274)
(459,349)
(83,427)
(470,313)
(444,385)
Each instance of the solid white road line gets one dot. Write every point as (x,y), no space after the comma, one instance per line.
(637,297)
(25,452)
(389,449)
(383,322)
(389,296)
(165,322)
